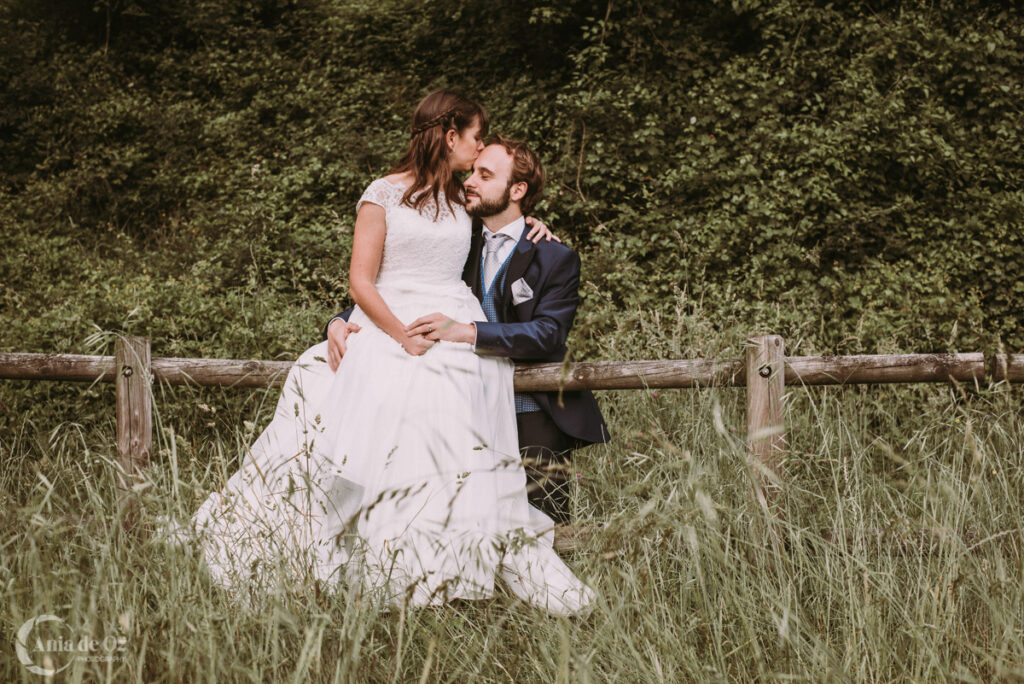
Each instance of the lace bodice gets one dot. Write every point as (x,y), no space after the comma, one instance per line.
(419,251)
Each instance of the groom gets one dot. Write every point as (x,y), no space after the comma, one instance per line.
(529,296)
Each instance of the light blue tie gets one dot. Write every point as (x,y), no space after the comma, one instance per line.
(492,263)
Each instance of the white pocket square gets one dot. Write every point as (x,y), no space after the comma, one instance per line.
(521,292)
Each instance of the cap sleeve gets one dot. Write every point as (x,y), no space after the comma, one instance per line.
(381,193)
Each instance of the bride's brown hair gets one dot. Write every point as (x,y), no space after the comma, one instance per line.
(427,156)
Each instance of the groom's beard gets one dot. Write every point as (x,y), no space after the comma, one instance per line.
(489,208)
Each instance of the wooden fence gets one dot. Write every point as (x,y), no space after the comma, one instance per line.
(764,371)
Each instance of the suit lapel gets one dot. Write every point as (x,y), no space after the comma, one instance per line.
(471,272)
(517,266)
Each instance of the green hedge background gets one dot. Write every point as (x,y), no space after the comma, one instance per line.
(848,175)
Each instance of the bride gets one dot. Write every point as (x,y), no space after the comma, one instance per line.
(398,474)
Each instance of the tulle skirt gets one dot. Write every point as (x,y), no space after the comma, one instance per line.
(398,473)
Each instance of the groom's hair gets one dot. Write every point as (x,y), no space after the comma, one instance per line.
(526,168)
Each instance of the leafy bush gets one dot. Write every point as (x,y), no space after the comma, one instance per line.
(846,175)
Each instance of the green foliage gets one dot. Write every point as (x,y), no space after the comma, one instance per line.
(838,165)
(844,174)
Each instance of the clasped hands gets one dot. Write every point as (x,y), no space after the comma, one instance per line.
(436,327)
(425,331)
(420,335)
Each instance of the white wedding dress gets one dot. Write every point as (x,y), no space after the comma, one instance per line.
(399,473)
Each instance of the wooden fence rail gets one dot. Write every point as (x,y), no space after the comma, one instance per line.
(764,371)
(598,375)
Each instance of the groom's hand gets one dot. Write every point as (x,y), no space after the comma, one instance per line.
(337,340)
(437,326)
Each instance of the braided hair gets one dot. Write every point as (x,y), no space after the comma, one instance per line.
(427,156)
(427,125)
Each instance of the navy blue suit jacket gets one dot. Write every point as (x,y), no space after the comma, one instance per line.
(536,329)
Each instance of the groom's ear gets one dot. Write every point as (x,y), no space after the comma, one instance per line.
(518,191)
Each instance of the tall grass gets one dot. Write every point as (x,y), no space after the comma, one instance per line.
(892,552)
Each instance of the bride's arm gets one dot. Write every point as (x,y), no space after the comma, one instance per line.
(367,250)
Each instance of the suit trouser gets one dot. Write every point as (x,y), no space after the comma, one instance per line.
(546,453)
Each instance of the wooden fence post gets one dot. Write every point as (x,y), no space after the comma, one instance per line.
(766,383)
(134,416)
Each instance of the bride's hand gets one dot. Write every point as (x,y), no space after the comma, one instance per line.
(416,345)
(538,231)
